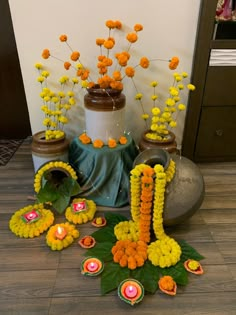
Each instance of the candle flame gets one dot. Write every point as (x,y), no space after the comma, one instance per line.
(59,230)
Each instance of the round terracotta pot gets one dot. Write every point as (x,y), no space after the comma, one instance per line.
(104,114)
(169,144)
(44,150)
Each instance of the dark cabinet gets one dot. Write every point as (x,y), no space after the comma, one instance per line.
(210,128)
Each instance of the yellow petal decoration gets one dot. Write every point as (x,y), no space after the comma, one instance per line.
(82,216)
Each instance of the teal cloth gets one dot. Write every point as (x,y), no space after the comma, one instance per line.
(104,173)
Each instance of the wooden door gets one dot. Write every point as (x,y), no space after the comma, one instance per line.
(14,116)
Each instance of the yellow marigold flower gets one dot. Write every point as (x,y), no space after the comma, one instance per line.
(61,94)
(154,97)
(180,86)
(144,62)
(191,87)
(184,74)
(132,37)
(174,91)
(47,98)
(173,124)
(145,116)
(63,119)
(138,96)
(79,66)
(70,93)
(156,111)
(138,27)
(38,66)
(181,107)
(63,38)
(45,73)
(84,84)
(153,127)
(170,102)
(154,83)
(75,80)
(40,79)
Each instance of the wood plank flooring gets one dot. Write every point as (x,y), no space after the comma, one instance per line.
(36,280)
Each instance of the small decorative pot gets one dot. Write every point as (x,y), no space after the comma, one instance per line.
(169,144)
(104,114)
(44,150)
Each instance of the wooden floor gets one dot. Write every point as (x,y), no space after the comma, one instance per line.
(36,280)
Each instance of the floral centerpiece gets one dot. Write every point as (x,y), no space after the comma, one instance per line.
(113,68)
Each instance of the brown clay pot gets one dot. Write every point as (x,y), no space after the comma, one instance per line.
(169,145)
(44,150)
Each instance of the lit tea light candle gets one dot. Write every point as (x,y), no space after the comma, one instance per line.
(79,206)
(131,291)
(60,233)
(32,216)
(91,266)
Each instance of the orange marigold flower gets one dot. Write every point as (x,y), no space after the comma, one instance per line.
(75,56)
(174,62)
(109,44)
(144,62)
(117,85)
(132,263)
(149,171)
(84,138)
(118,25)
(85,74)
(110,24)
(123,140)
(98,143)
(122,60)
(138,27)
(112,143)
(63,38)
(107,61)
(101,57)
(67,65)
(46,54)
(100,41)
(124,261)
(117,75)
(91,84)
(147,179)
(129,71)
(167,283)
(132,37)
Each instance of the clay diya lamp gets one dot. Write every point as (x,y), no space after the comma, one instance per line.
(193,266)
(87,241)
(99,222)
(91,266)
(167,285)
(131,291)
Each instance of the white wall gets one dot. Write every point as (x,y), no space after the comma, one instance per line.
(169,30)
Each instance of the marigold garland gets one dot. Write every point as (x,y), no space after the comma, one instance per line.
(56,244)
(50,166)
(82,216)
(33,229)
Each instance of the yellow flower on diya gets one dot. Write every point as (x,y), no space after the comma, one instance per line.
(57,244)
(33,229)
(81,216)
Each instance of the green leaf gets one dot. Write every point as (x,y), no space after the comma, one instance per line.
(148,275)
(61,203)
(177,272)
(114,218)
(47,193)
(105,234)
(75,188)
(188,252)
(112,277)
(66,186)
(101,251)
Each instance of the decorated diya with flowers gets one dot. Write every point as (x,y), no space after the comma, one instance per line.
(99,222)
(87,242)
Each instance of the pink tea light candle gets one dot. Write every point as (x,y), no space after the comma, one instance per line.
(31,216)
(91,266)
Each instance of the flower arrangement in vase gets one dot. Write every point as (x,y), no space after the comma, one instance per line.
(112,70)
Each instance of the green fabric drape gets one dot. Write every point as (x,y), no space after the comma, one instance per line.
(103,174)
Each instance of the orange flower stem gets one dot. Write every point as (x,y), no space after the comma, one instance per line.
(69,46)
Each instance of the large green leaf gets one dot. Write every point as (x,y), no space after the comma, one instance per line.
(61,203)
(148,275)
(112,276)
(177,272)
(105,234)
(47,193)
(101,251)
(188,252)
(68,187)
(114,218)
